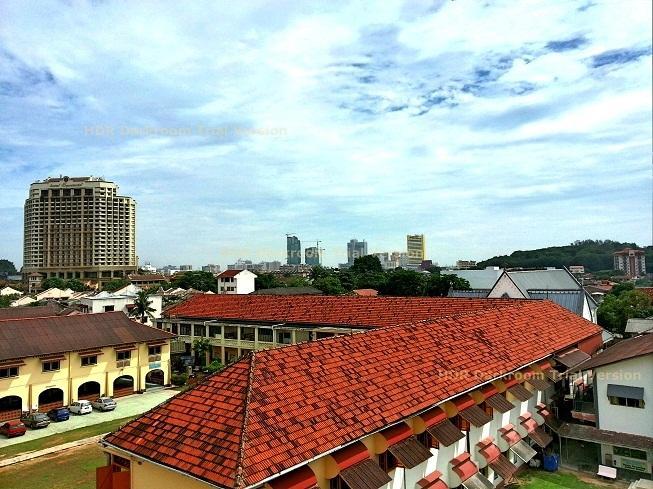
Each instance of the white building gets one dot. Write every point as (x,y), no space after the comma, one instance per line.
(621,379)
(23,301)
(121,300)
(236,282)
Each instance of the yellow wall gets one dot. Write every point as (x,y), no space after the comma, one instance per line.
(31,380)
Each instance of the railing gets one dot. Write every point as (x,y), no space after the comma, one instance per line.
(154,358)
(123,363)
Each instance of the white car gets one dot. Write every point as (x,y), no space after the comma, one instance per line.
(81,407)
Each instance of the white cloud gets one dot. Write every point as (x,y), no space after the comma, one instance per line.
(336,120)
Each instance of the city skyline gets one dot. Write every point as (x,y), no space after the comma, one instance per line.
(541,130)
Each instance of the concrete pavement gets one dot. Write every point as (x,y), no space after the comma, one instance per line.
(127,406)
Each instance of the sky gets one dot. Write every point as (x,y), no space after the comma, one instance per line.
(487,126)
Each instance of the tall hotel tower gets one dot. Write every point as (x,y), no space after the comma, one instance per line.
(78,227)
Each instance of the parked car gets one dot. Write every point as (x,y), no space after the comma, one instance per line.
(81,407)
(104,404)
(59,414)
(13,428)
(36,420)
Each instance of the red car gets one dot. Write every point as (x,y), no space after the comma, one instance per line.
(13,428)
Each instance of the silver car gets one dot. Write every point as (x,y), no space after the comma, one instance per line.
(104,404)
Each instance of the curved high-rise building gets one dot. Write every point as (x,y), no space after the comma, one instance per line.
(79,227)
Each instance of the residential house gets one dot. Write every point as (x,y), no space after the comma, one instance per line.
(23,301)
(121,300)
(53,361)
(614,400)
(455,401)
(54,293)
(147,280)
(236,282)
(50,309)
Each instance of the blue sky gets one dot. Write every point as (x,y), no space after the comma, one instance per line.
(487,126)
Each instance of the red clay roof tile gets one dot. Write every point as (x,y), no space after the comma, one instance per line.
(278,408)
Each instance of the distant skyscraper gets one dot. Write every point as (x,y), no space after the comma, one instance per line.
(355,249)
(294,250)
(416,248)
(312,256)
(79,227)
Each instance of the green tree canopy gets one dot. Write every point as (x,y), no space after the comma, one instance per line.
(268,281)
(367,264)
(75,285)
(116,284)
(142,309)
(197,280)
(329,285)
(439,285)
(51,282)
(616,309)
(7,267)
(405,283)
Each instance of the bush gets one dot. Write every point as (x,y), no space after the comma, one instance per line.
(179,379)
(214,366)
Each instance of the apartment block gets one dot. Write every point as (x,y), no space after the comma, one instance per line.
(416,249)
(631,262)
(78,227)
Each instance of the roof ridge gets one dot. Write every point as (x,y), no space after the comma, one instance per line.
(240,478)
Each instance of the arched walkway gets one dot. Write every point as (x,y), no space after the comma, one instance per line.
(154,378)
(123,386)
(50,398)
(10,407)
(88,390)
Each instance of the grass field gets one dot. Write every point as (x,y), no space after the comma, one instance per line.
(555,480)
(60,438)
(74,468)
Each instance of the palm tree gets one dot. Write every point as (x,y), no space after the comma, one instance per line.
(142,307)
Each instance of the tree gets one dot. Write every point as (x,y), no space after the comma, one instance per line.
(6,300)
(371,280)
(297,281)
(619,289)
(267,281)
(616,309)
(7,267)
(200,347)
(76,285)
(116,284)
(142,307)
(330,285)
(405,283)
(440,285)
(367,263)
(53,282)
(214,366)
(197,280)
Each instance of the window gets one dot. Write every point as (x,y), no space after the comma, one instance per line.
(199,330)
(175,328)
(8,372)
(108,308)
(215,331)
(154,350)
(52,366)
(184,329)
(284,337)
(247,334)
(123,355)
(88,361)
(629,452)
(427,440)
(265,334)
(387,461)
(626,401)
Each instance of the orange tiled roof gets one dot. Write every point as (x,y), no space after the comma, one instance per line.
(277,408)
(350,310)
(647,290)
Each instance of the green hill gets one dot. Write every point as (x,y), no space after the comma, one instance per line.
(594,255)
